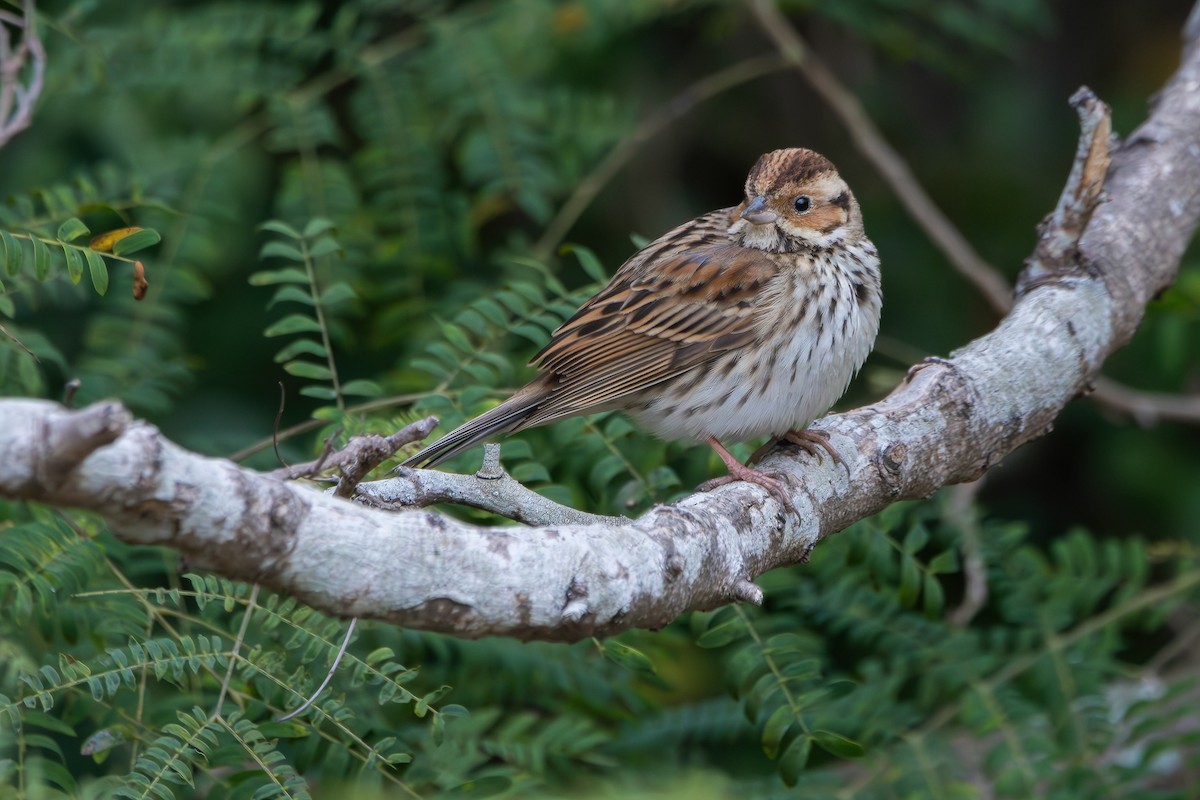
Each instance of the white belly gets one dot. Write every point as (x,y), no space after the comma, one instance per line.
(782,383)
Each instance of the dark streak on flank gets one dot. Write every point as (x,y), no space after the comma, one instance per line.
(860,292)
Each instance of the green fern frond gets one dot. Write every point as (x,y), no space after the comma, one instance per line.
(42,563)
(298,284)
(275,776)
(170,759)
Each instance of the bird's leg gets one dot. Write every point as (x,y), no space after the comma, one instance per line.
(740,472)
(757,455)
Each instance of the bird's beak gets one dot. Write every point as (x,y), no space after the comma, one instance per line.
(758,213)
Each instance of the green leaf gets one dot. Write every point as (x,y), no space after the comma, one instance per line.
(721,635)
(293,323)
(41,259)
(72,229)
(944,562)
(380,654)
(307,369)
(480,787)
(290,294)
(277,249)
(323,247)
(48,722)
(794,759)
(98,270)
(838,745)
(284,730)
(275,226)
(604,470)
(362,388)
(588,261)
(916,538)
(628,657)
(933,596)
(318,225)
(319,392)
(456,337)
(532,332)
(285,275)
(910,581)
(778,724)
(12,253)
(299,347)
(74,263)
(147,237)
(530,472)
(338,292)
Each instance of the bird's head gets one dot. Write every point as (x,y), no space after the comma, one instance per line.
(795,200)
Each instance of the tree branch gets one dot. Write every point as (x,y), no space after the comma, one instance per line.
(17,99)
(949,422)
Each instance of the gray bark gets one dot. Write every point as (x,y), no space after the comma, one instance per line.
(948,422)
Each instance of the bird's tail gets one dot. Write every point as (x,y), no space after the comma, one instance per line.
(504,418)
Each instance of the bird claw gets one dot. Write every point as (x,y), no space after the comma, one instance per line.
(774,486)
(813,442)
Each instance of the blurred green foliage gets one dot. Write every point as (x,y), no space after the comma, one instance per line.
(353,198)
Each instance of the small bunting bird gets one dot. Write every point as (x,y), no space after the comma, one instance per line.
(746,322)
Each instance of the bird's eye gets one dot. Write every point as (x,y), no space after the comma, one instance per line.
(802,203)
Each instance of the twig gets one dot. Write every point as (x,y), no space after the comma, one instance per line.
(374,450)
(490,489)
(960,511)
(683,102)
(251,604)
(69,391)
(327,450)
(9,335)
(1147,408)
(360,455)
(328,676)
(16,99)
(275,428)
(313,424)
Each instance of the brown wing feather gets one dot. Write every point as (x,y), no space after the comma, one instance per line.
(680,302)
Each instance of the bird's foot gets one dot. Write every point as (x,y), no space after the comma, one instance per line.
(740,472)
(813,442)
(773,485)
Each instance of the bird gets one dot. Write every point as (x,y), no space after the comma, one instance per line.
(746,322)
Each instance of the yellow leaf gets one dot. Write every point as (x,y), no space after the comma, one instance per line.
(105,241)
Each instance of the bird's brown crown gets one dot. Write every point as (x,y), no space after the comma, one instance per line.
(795,165)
